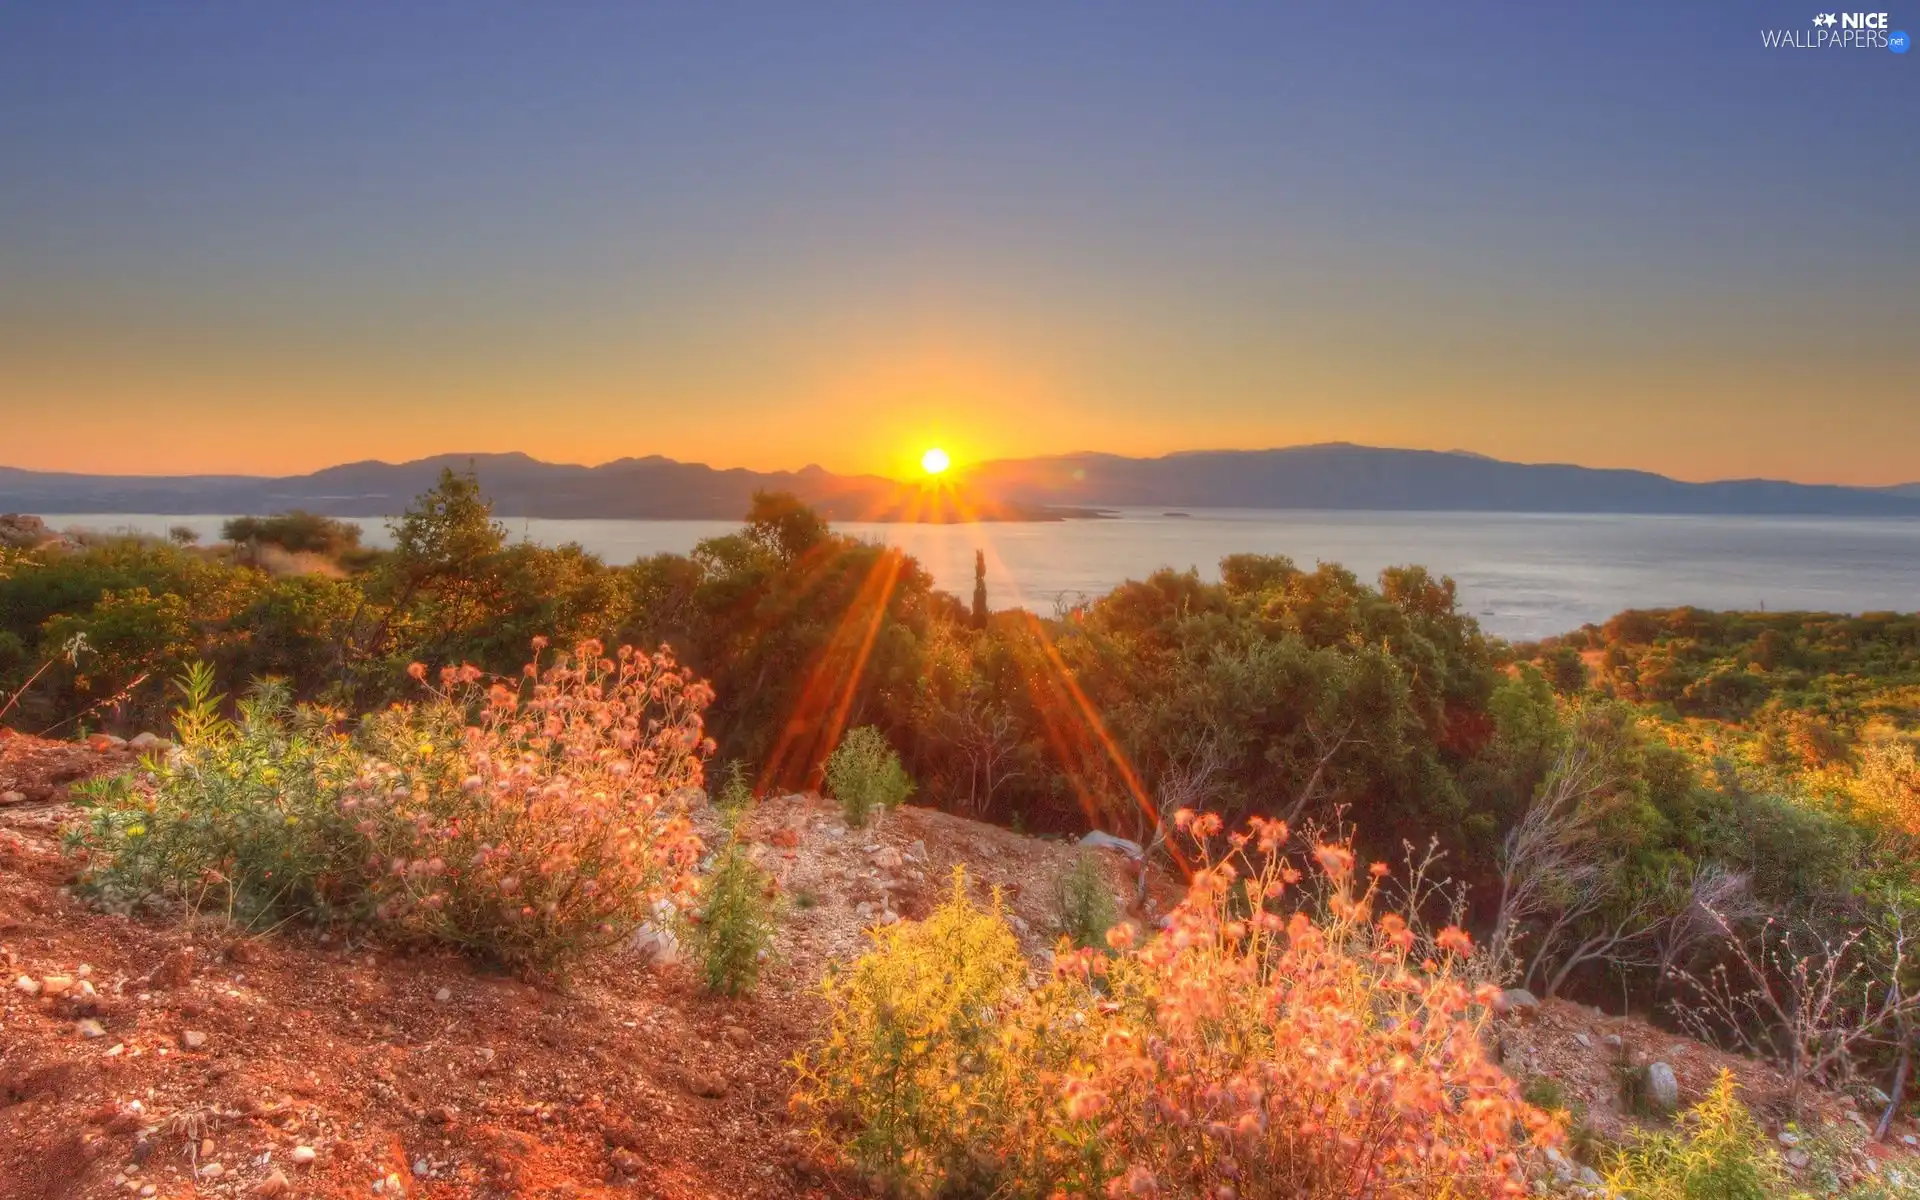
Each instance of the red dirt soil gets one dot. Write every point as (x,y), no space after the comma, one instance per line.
(626,1080)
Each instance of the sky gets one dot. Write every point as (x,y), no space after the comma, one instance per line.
(269,238)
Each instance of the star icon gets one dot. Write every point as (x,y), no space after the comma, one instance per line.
(1827,19)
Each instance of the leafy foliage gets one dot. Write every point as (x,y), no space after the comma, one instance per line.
(910,1020)
(1086,902)
(298,532)
(864,775)
(732,930)
(1719,1153)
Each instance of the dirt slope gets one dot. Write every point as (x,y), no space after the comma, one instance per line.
(209,1060)
(211,1049)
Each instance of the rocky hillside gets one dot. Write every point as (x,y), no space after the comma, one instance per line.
(195,1057)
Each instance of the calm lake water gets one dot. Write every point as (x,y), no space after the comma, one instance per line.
(1523,576)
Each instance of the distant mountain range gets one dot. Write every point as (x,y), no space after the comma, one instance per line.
(1333,476)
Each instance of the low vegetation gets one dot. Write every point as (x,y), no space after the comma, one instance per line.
(526,819)
(731,930)
(865,776)
(1277,1039)
(1085,902)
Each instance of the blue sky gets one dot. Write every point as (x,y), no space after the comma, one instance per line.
(260,237)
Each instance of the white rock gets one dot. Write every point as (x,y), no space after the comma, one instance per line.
(443,995)
(1663,1090)
(211,1171)
(303,1155)
(421,1169)
(27,984)
(193,1039)
(1107,841)
(90,1028)
(146,741)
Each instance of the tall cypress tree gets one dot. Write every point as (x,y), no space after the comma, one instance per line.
(979,589)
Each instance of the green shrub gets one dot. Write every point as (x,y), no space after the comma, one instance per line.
(1085,902)
(297,532)
(1719,1153)
(733,928)
(242,820)
(864,774)
(910,1019)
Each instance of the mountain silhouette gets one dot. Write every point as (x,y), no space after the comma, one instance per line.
(1332,476)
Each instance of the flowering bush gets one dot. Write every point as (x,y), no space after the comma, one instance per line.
(528,820)
(549,824)
(1251,1049)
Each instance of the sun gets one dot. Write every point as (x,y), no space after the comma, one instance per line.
(935,461)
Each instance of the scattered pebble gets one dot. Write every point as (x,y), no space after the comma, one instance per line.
(275,1184)
(443,995)
(212,1171)
(90,1028)
(56,985)
(421,1168)
(193,1039)
(302,1155)
(27,984)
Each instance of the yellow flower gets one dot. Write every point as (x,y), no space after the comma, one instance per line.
(134,831)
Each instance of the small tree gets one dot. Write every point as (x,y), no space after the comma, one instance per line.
(979,589)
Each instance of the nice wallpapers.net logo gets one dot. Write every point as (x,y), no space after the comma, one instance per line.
(1840,31)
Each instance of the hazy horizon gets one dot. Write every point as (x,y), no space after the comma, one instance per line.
(268,240)
(901,476)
